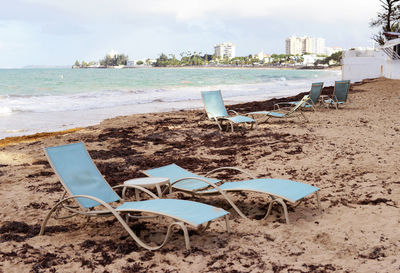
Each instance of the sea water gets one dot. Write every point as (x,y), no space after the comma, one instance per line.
(37,100)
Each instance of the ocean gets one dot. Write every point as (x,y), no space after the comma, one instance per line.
(42,100)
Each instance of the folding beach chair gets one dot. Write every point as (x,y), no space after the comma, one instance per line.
(339,96)
(285,112)
(85,184)
(315,93)
(280,190)
(216,111)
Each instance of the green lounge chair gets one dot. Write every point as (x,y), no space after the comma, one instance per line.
(314,94)
(216,111)
(85,184)
(280,190)
(285,112)
(339,96)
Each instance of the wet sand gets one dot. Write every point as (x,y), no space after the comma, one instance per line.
(351,154)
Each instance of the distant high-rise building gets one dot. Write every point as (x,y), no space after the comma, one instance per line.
(294,45)
(319,46)
(299,45)
(225,49)
(308,45)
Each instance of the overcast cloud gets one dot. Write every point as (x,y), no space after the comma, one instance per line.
(48,32)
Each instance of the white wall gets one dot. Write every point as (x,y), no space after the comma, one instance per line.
(363,64)
(393,69)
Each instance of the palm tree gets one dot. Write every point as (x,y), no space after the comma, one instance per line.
(388,19)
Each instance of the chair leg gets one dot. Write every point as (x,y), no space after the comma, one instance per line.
(318,200)
(269,210)
(202,228)
(256,124)
(280,201)
(219,125)
(228,228)
(185,233)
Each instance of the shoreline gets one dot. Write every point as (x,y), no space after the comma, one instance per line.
(267,103)
(62,109)
(330,68)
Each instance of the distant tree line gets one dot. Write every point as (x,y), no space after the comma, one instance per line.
(198,59)
(187,59)
(193,59)
(116,60)
(84,64)
(335,58)
(107,61)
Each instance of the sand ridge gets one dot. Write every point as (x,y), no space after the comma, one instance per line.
(351,154)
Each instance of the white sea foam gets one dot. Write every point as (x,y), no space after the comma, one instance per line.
(55,111)
(5,111)
(116,98)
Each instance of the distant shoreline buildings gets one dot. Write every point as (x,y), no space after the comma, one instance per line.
(300,45)
(225,50)
(300,51)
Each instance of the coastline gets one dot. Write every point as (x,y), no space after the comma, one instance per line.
(350,154)
(339,67)
(258,105)
(73,94)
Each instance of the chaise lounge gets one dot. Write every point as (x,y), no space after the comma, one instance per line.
(339,96)
(84,183)
(295,110)
(216,111)
(280,190)
(315,93)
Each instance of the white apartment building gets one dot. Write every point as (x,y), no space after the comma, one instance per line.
(308,45)
(300,45)
(319,46)
(225,49)
(294,45)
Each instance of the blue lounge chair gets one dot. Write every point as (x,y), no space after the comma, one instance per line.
(280,190)
(216,111)
(339,96)
(285,112)
(315,93)
(85,184)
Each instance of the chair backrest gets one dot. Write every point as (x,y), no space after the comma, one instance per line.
(341,90)
(79,175)
(298,104)
(174,173)
(315,92)
(214,104)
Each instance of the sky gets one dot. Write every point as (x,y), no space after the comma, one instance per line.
(52,32)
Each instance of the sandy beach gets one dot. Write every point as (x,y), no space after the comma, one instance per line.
(351,154)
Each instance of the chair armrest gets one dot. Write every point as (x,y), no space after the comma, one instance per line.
(124,187)
(277,105)
(230,168)
(233,111)
(212,116)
